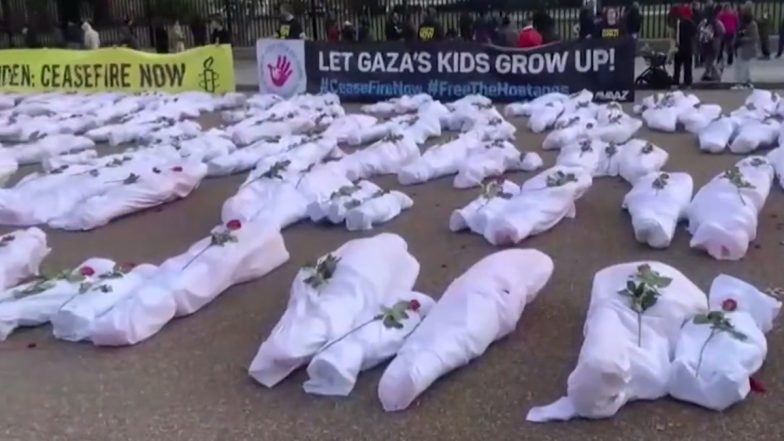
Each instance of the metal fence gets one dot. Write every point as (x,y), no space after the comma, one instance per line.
(248,20)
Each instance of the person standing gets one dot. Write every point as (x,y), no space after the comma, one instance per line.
(781,39)
(289,28)
(587,21)
(709,36)
(610,27)
(467,26)
(509,34)
(485,31)
(91,38)
(333,27)
(634,21)
(729,19)
(684,49)
(127,36)
(763,26)
(431,28)
(31,40)
(178,37)
(220,35)
(529,36)
(747,41)
(394,28)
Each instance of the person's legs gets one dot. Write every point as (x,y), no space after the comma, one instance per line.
(747,73)
(781,42)
(729,46)
(688,65)
(765,47)
(678,62)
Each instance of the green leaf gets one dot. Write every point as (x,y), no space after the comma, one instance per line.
(649,300)
(701,319)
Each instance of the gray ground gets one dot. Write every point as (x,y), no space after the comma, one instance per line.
(190,382)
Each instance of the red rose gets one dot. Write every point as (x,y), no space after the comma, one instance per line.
(757,386)
(729,305)
(177,168)
(233,225)
(414,305)
(87,271)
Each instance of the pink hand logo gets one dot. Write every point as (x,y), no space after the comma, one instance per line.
(280,72)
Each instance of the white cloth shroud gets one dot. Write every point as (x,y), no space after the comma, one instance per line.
(51,145)
(8,165)
(21,254)
(726,358)
(481,306)
(717,135)
(625,356)
(184,284)
(154,187)
(440,160)
(386,156)
(75,319)
(656,203)
(334,370)
(753,135)
(493,158)
(724,214)
(368,274)
(35,302)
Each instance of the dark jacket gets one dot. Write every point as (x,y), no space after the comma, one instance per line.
(587,25)
(127,37)
(31,40)
(633,21)
(220,36)
(393,30)
(687,32)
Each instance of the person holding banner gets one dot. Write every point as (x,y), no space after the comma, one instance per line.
(431,28)
(289,28)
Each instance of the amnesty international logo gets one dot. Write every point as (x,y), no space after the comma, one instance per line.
(209,77)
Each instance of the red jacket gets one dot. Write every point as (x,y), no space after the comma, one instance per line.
(529,37)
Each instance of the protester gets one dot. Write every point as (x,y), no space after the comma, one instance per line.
(728,18)
(509,33)
(710,34)
(409,31)
(219,35)
(610,27)
(545,25)
(763,24)
(289,28)
(781,39)
(363,30)
(127,36)
(633,21)
(587,21)
(91,38)
(486,28)
(698,13)
(684,50)
(178,37)
(467,26)
(529,36)
(31,40)
(348,32)
(394,27)
(161,37)
(747,40)
(74,36)
(431,28)
(333,27)
(198,31)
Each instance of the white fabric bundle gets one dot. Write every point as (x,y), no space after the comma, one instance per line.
(8,165)
(331,298)
(21,253)
(765,100)
(723,215)
(343,128)
(334,370)
(75,319)
(537,208)
(656,203)
(34,303)
(55,162)
(776,158)
(753,135)
(698,118)
(493,159)
(568,132)
(625,355)
(469,217)
(290,124)
(51,145)
(618,129)
(387,156)
(718,352)
(377,209)
(586,154)
(664,119)
(397,106)
(334,208)
(186,283)
(531,107)
(481,306)
(440,160)
(750,111)
(545,116)
(717,135)
(206,147)
(154,187)
(420,127)
(638,158)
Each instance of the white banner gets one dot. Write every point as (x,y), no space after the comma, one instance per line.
(281,67)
